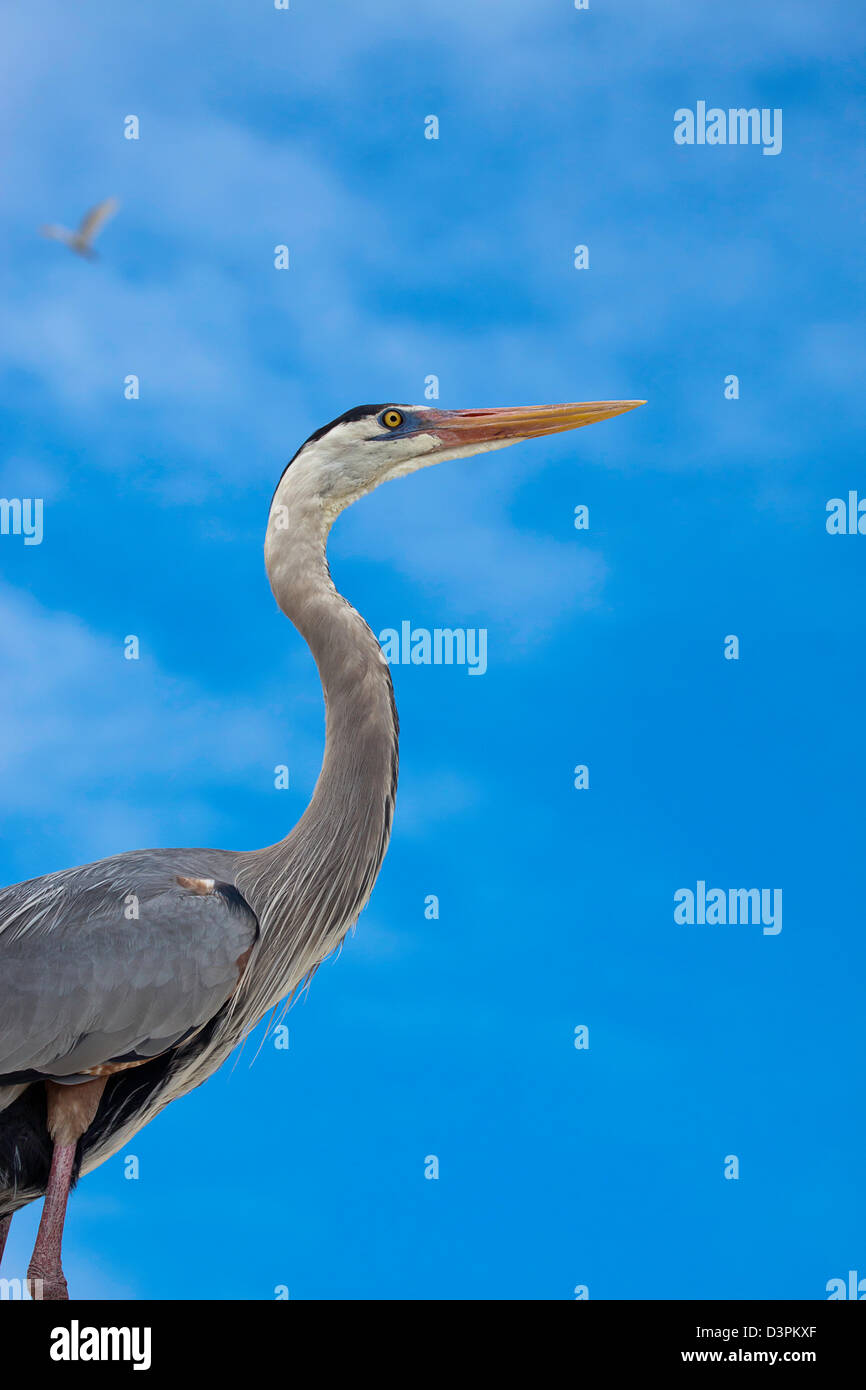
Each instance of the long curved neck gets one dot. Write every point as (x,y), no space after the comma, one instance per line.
(357,783)
(309,888)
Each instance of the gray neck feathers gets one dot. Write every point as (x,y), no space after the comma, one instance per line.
(308,889)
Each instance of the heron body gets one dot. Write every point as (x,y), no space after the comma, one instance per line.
(127,982)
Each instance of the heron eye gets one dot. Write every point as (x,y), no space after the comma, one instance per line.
(391,419)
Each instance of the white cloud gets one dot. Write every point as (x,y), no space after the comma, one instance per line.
(495,572)
(100,754)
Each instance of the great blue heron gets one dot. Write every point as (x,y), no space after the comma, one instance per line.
(125,983)
(81,240)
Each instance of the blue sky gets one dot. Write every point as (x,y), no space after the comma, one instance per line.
(412,257)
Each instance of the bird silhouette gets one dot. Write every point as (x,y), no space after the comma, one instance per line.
(80,240)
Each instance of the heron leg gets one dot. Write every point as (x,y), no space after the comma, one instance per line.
(5,1223)
(70,1112)
(45,1277)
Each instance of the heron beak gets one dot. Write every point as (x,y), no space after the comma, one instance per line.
(511,423)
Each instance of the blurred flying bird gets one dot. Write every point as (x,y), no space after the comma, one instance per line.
(91,223)
(125,983)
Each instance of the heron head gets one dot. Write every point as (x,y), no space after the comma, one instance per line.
(373,443)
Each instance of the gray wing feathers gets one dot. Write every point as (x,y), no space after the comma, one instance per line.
(84,981)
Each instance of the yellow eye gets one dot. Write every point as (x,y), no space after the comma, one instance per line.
(391,419)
